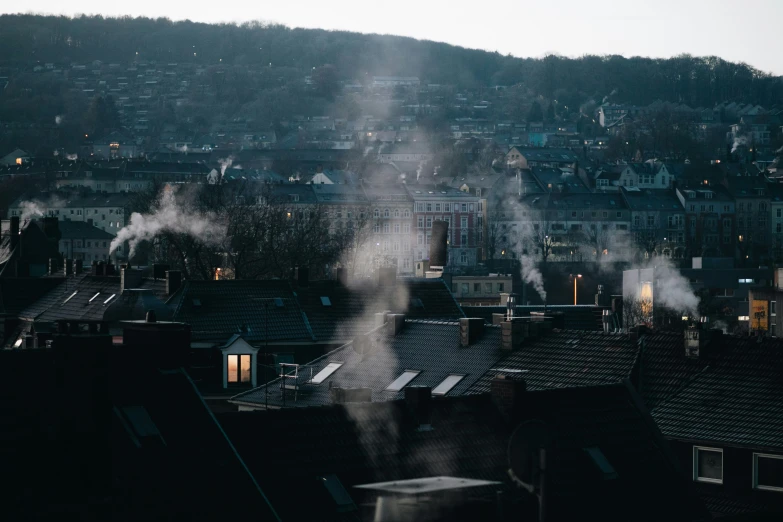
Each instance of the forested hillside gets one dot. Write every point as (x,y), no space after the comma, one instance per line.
(696,81)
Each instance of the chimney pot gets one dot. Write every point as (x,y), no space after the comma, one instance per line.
(380,319)
(78,265)
(130,278)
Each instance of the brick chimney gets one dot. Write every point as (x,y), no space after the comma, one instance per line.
(78,266)
(513,333)
(68,267)
(418,400)
(345,395)
(470,330)
(380,318)
(508,394)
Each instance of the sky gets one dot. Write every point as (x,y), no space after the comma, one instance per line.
(740,31)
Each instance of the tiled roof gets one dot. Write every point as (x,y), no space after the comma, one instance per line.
(737,399)
(371,442)
(664,368)
(82,230)
(432,348)
(84,297)
(566,358)
(218,309)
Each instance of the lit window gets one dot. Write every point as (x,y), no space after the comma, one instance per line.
(239,370)
(708,465)
(403,380)
(768,472)
(326,372)
(448,383)
(743,318)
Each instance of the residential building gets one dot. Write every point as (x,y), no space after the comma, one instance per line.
(711,222)
(391,218)
(658,223)
(107,211)
(115,145)
(459,209)
(651,174)
(82,240)
(480,289)
(526,158)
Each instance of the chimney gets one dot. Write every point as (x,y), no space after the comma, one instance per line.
(387,276)
(101,269)
(156,344)
(173,281)
(418,400)
(68,267)
(341,274)
(345,395)
(94,268)
(78,266)
(513,333)
(301,276)
(159,271)
(109,269)
(697,336)
(380,318)
(508,394)
(470,330)
(130,278)
(439,255)
(395,324)
(54,265)
(606,320)
(14,231)
(601,298)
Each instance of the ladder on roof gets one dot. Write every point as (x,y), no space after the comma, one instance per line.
(289,379)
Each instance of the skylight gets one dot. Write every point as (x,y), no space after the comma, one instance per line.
(71,296)
(325,301)
(326,372)
(278,302)
(93,297)
(601,462)
(403,380)
(109,299)
(448,383)
(140,419)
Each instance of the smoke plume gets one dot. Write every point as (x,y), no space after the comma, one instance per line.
(224,164)
(673,291)
(738,141)
(173,217)
(31,209)
(59,119)
(72,157)
(532,275)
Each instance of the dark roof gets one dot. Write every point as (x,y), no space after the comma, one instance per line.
(82,230)
(16,294)
(371,442)
(218,309)
(82,297)
(433,348)
(563,359)
(664,368)
(351,309)
(737,399)
(652,199)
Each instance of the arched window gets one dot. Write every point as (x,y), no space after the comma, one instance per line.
(407,213)
(386,212)
(396,212)
(377,213)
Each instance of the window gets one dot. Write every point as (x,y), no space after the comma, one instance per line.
(500,287)
(779,212)
(650,221)
(327,371)
(376,228)
(396,212)
(488,288)
(377,213)
(429,207)
(406,228)
(463,222)
(447,384)
(465,288)
(437,207)
(464,207)
(239,369)
(407,213)
(619,215)
(386,212)
(708,465)
(463,239)
(463,257)
(743,318)
(385,228)
(768,472)
(605,214)
(396,228)
(447,207)
(403,380)
(637,221)
(477,287)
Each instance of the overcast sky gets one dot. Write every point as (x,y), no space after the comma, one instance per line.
(748,30)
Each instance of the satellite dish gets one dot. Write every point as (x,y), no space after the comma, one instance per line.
(524,452)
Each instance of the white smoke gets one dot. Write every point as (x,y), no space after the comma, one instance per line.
(367,150)
(183,148)
(224,164)
(418,170)
(779,151)
(31,209)
(59,119)
(673,291)
(72,157)
(738,141)
(169,216)
(565,175)
(532,275)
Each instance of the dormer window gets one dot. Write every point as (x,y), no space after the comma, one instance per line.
(239,363)
(708,465)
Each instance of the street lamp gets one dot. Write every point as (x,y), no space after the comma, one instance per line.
(575,277)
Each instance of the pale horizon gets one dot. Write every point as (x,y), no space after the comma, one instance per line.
(572,28)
